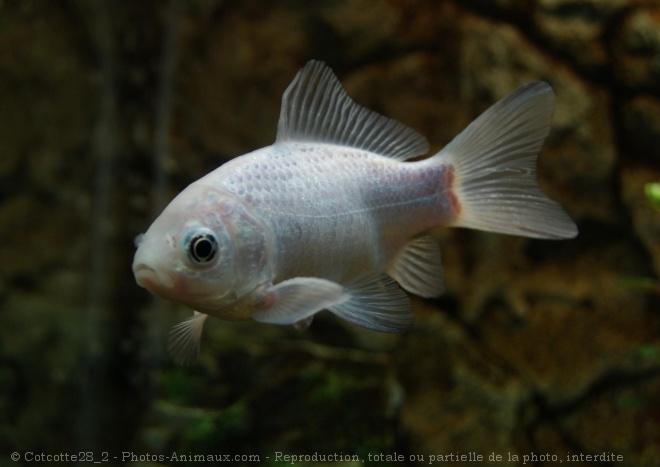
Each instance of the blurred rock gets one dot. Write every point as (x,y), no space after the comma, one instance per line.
(31,236)
(232,89)
(645,218)
(44,85)
(641,125)
(461,398)
(631,408)
(577,29)
(274,394)
(636,49)
(426,99)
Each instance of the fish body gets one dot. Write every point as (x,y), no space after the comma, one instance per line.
(331,216)
(336,212)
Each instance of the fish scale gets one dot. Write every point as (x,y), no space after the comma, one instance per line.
(343,210)
(334,217)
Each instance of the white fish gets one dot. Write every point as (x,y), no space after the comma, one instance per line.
(330,217)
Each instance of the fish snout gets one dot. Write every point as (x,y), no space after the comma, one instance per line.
(150,278)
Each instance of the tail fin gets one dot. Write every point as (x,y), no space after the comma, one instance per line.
(494,162)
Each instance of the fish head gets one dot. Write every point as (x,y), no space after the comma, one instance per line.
(206,250)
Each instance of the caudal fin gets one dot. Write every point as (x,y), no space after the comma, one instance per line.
(494,162)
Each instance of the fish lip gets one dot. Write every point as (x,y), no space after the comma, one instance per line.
(142,267)
(149,278)
(143,274)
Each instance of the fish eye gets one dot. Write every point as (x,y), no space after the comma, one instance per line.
(201,246)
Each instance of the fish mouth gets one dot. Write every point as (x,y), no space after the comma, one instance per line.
(150,279)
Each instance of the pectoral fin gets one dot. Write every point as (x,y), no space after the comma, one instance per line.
(183,344)
(297,299)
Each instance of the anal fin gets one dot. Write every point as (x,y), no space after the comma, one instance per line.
(418,268)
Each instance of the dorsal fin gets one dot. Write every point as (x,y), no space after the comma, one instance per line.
(316,108)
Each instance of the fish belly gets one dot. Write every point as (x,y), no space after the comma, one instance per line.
(337,213)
